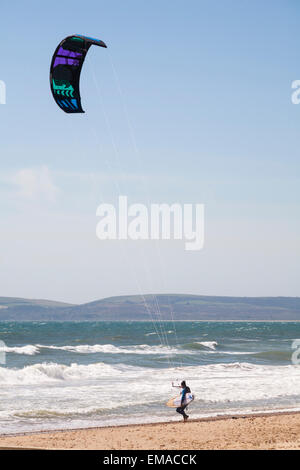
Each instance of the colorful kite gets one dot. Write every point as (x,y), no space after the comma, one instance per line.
(66,68)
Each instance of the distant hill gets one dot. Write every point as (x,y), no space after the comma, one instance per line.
(161,306)
(15,308)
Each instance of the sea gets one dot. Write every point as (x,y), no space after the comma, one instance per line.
(66,375)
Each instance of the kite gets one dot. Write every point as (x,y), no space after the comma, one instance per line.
(65,71)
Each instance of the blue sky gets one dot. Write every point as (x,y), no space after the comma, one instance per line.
(191,102)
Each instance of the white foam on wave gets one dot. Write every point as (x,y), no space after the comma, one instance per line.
(49,372)
(111,349)
(208,344)
(155,333)
(52,372)
(221,374)
(29,349)
(60,392)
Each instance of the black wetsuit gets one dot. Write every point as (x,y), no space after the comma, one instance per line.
(181,408)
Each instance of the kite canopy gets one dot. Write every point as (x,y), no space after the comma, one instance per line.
(65,71)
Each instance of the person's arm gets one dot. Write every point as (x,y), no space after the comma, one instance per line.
(175,386)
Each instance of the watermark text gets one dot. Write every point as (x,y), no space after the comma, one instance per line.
(160,222)
(2,92)
(2,352)
(296,353)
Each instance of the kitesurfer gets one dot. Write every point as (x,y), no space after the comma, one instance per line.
(182,407)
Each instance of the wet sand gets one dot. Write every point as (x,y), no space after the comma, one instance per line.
(264,431)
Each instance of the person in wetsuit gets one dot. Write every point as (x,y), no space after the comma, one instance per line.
(182,407)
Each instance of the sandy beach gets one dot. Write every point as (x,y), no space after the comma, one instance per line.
(276,431)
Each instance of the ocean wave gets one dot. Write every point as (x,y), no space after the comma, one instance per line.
(54,372)
(208,347)
(201,345)
(276,355)
(51,371)
(208,344)
(52,390)
(144,349)
(29,349)
(111,349)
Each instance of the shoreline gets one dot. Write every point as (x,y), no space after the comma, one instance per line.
(263,430)
(259,414)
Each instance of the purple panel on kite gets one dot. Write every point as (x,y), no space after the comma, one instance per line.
(68,53)
(65,61)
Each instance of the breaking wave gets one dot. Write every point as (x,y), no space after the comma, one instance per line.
(202,345)
(31,350)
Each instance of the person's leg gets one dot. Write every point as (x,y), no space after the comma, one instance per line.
(185,416)
(181,411)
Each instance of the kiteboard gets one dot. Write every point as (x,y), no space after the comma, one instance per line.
(176,402)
